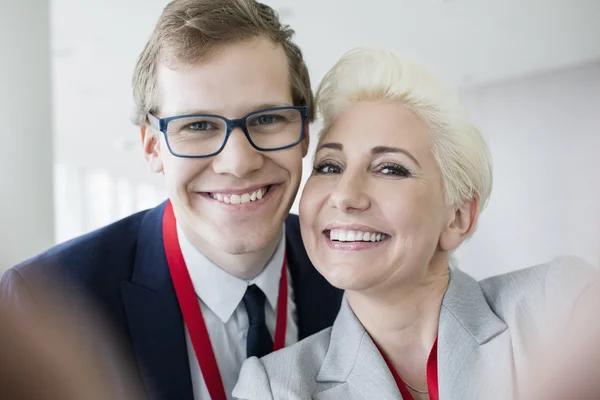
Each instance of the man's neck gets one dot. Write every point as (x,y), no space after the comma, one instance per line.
(403,321)
(245,266)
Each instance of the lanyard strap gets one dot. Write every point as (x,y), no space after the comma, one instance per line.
(432,376)
(432,373)
(192,314)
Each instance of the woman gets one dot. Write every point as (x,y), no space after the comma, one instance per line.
(400,178)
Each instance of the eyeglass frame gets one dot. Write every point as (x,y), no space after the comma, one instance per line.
(162,123)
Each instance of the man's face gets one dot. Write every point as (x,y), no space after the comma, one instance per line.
(239,79)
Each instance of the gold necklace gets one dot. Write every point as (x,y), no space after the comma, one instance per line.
(415,389)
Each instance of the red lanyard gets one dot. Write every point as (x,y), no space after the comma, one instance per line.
(192,314)
(432,376)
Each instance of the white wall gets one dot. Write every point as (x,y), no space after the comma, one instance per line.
(87,199)
(544,135)
(26,210)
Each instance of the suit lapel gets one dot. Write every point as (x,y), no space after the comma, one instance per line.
(155,323)
(353,368)
(474,357)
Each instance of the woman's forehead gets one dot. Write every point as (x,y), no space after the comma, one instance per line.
(365,125)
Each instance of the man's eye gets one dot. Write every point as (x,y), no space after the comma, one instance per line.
(266,119)
(199,126)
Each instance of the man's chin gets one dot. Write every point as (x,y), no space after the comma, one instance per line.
(246,244)
(237,234)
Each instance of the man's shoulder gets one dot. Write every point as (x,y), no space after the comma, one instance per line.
(100,249)
(316,299)
(294,243)
(292,224)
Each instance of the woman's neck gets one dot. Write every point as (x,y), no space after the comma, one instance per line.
(403,321)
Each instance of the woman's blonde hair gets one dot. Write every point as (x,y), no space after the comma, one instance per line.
(365,74)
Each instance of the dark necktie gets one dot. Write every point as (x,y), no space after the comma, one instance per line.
(259,341)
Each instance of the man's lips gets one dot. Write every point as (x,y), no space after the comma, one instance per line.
(238,190)
(250,195)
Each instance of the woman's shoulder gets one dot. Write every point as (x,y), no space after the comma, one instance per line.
(284,374)
(554,287)
(560,274)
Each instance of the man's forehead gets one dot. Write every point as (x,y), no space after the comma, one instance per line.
(181,58)
(184,95)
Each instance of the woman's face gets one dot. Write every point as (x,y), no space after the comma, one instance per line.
(373,212)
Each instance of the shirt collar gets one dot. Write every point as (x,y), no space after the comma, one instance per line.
(223,292)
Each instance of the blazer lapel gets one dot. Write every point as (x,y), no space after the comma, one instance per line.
(155,323)
(474,357)
(353,368)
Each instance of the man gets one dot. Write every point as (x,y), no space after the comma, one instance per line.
(218,273)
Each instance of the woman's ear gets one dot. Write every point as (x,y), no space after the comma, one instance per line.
(151,148)
(462,221)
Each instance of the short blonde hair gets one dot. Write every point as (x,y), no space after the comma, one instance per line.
(459,149)
(191,30)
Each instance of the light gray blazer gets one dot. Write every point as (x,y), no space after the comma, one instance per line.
(484,337)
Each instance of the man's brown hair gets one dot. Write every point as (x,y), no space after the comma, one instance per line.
(190,30)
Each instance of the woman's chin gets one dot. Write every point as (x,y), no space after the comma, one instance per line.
(346,278)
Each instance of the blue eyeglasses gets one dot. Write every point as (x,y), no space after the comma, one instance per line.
(205,135)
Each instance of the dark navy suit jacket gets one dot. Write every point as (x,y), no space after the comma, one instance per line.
(122,269)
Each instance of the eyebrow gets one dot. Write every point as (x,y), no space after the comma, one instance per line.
(377,150)
(334,146)
(253,109)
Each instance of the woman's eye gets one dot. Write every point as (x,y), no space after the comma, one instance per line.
(327,169)
(394,170)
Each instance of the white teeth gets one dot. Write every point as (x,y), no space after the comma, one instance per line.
(342,235)
(240,198)
(334,234)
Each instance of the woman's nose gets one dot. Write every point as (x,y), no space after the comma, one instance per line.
(349,195)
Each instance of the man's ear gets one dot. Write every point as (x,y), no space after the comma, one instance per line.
(461,223)
(305,143)
(151,148)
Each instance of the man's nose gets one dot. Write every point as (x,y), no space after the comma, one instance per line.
(238,157)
